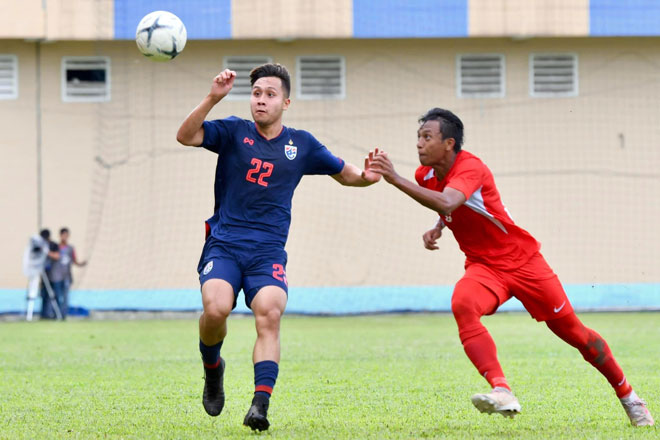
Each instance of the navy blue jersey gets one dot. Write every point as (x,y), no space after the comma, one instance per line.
(255,179)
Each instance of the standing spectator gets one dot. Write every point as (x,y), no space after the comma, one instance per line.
(60,273)
(47,311)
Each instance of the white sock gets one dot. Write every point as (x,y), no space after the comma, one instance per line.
(501,389)
(632,397)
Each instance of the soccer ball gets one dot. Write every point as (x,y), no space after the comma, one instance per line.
(161,36)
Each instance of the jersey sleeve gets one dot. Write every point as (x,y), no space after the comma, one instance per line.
(468,177)
(321,160)
(420,175)
(218,134)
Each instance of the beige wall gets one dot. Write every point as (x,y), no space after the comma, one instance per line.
(528,18)
(22,19)
(293,18)
(80,19)
(18,166)
(57,19)
(579,173)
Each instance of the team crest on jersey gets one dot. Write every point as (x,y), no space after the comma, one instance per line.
(448,218)
(291,151)
(208,268)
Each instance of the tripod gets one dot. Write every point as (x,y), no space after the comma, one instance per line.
(33,290)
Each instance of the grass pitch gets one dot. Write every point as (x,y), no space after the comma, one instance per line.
(391,376)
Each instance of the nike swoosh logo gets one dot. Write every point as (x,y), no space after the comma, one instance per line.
(622,381)
(558,309)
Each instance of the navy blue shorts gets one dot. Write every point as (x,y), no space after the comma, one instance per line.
(249,270)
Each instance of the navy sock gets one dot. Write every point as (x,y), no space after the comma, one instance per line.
(265,375)
(210,354)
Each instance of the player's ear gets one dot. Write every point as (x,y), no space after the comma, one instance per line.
(285,104)
(449,143)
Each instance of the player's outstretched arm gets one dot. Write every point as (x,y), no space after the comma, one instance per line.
(441,202)
(351,175)
(191,132)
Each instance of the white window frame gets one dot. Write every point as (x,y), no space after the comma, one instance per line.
(67,98)
(13,59)
(459,77)
(572,93)
(260,59)
(316,96)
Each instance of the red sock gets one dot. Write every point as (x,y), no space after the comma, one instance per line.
(469,303)
(482,352)
(593,348)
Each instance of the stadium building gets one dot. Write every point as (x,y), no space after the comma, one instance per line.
(561,98)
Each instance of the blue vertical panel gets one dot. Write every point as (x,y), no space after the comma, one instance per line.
(204,19)
(624,18)
(410,18)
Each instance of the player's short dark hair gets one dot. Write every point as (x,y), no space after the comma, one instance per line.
(450,125)
(272,69)
(45,234)
(64,230)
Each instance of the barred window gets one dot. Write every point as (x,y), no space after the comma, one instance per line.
(243,65)
(8,77)
(480,76)
(553,75)
(321,77)
(85,79)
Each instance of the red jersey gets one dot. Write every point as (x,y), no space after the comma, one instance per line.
(482,226)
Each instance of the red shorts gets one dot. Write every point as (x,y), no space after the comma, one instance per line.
(534,284)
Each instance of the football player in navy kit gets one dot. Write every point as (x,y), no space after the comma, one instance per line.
(259,165)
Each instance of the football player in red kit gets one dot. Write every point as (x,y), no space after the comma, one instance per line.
(502,260)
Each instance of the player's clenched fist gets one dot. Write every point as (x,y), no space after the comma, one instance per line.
(222,84)
(430,237)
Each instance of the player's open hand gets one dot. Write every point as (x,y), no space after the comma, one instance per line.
(368,174)
(222,84)
(430,238)
(380,163)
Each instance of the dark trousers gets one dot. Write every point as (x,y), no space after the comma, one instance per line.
(47,311)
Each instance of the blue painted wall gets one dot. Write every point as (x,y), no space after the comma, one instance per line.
(624,18)
(345,300)
(204,19)
(211,19)
(410,18)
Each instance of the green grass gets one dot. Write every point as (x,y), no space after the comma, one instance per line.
(392,376)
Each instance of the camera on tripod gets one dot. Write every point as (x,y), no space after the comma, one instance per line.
(35,258)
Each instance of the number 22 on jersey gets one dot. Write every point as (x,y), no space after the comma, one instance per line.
(261,169)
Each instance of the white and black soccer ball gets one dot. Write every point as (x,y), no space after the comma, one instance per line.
(161,36)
